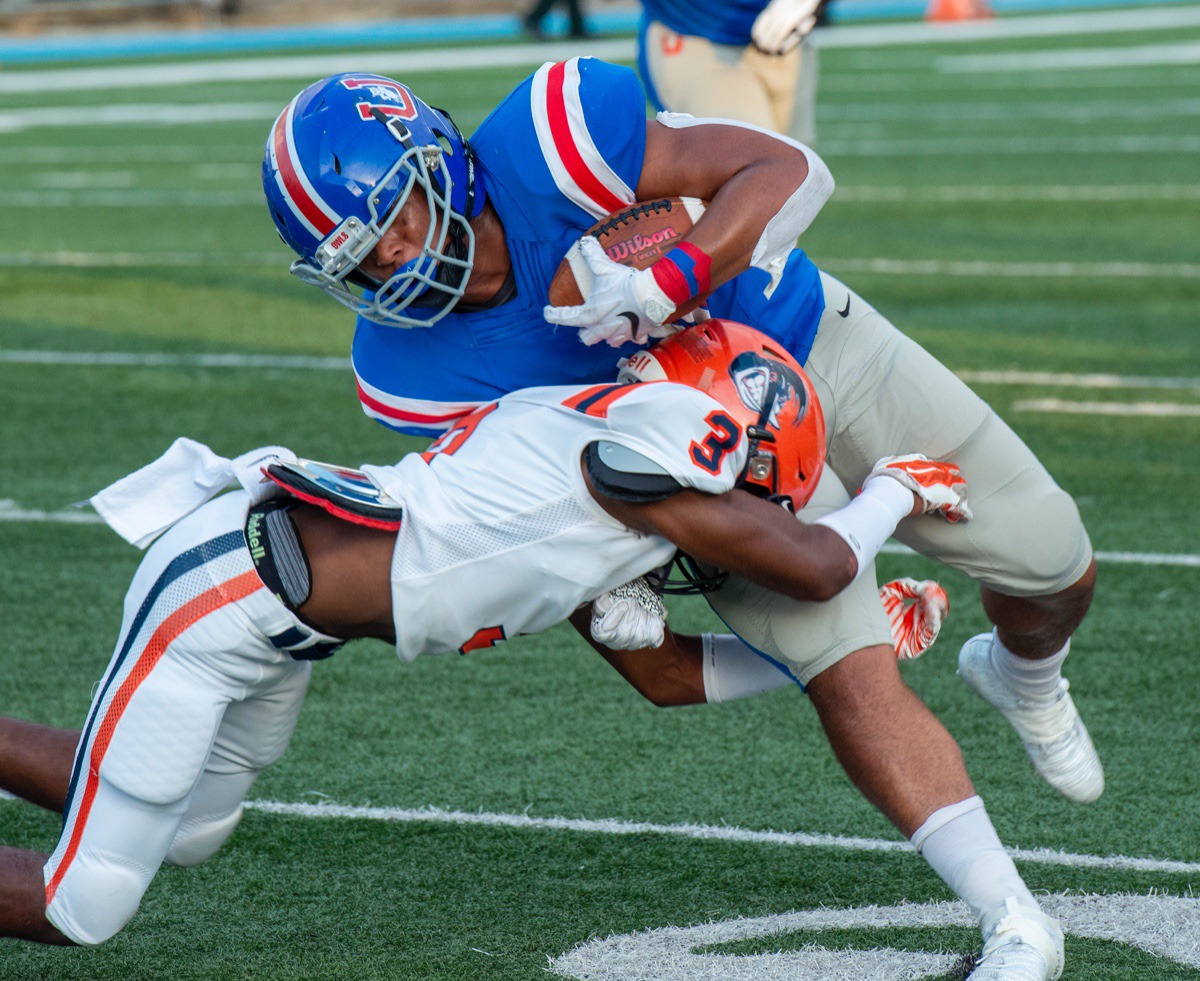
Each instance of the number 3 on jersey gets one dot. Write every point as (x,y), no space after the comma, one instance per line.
(724,436)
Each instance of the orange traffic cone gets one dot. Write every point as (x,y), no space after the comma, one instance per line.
(957,10)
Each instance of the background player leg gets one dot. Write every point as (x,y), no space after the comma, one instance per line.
(35,761)
(23,897)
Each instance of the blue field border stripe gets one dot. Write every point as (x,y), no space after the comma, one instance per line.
(442,30)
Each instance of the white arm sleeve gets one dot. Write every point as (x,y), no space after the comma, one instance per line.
(732,670)
(798,211)
(870,519)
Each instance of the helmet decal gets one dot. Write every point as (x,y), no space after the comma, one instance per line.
(752,375)
(741,368)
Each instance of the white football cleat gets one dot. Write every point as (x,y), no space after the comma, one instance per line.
(1021,943)
(1054,735)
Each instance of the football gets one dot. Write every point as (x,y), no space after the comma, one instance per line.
(636,236)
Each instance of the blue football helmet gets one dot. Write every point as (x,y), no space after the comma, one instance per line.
(341,161)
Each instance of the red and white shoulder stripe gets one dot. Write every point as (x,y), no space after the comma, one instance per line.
(579,170)
(317,216)
(426,414)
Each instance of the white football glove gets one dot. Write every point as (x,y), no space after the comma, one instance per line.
(916,610)
(629,618)
(940,486)
(783,24)
(622,305)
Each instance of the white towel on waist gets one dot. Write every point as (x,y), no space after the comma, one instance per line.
(143,505)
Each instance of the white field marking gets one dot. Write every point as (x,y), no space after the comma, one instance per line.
(700,832)
(124,154)
(86,179)
(1164,926)
(1005,193)
(152,360)
(306,67)
(141,260)
(895,267)
(1003,28)
(1150,54)
(1142,409)
(1170,559)
(130,199)
(1069,270)
(1037,146)
(9,511)
(1162,79)
(1081,111)
(406,63)
(1073,380)
(335,363)
(137,114)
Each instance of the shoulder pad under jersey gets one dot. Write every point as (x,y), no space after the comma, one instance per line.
(623,474)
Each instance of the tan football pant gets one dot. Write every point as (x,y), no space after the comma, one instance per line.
(884,395)
(695,76)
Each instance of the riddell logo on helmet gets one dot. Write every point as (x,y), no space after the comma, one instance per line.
(640,246)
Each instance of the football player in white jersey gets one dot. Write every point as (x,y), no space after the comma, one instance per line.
(241,593)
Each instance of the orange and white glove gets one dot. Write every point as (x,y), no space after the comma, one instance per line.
(940,486)
(916,610)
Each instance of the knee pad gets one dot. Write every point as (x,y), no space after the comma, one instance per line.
(198,840)
(97,897)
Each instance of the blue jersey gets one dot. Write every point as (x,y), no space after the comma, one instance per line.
(720,21)
(562,151)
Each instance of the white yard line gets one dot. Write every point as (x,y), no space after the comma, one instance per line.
(891,267)
(406,63)
(1005,193)
(1150,54)
(1056,270)
(1139,409)
(1016,146)
(11,512)
(701,832)
(149,359)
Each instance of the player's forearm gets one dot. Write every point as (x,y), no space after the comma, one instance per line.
(670,674)
(761,191)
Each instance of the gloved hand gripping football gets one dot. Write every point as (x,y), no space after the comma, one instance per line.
(630,617)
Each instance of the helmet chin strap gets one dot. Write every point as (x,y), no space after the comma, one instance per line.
(759,432)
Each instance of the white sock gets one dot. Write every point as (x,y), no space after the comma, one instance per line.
(732,670)
(1035,680)
(960,844)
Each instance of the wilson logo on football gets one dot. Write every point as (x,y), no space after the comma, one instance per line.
(640,244)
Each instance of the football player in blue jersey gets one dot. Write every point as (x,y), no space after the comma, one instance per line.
(749,60)
(399,217)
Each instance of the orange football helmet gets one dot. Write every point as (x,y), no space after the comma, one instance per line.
(762,387)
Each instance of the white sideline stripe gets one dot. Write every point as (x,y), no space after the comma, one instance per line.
(891,267)
(1157,54)
(1069,270)
(1073,380)
(998,192)
(9,511)
(130,199)
(864,194)
(335,363)
(137,114)
(1109,558)
(151,360)
(1153,409)
(1010,146)
(405,63)
(701,832)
